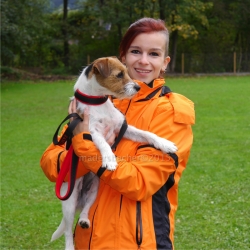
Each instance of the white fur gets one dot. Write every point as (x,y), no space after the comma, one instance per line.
(108,115)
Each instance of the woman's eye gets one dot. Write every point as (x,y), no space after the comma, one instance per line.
(154,54)
(135,51)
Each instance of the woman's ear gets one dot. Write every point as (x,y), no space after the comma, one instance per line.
(166,62)
(123,59)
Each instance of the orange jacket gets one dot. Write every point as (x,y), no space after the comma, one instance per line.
(136,203)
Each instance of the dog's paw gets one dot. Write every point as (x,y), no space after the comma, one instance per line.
(166,146)
(84,223)
(109,162)
(111,166)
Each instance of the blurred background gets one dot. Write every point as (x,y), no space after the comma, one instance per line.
(60,37)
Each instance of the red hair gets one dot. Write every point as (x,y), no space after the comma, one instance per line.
(143,25)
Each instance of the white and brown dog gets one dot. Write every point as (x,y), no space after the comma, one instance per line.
(105,76)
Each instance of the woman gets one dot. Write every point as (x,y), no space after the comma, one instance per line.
(136,203)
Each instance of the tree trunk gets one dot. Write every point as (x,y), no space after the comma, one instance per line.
(65,34)
(142,8)
(119,28)
(173,50)
(162,9)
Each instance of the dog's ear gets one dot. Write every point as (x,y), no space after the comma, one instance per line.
(102,67)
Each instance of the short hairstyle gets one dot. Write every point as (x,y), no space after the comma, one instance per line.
(143,25)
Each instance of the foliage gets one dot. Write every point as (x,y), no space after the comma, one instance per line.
(95,28)
(227,32)
(183,16)
(23,31)
(214,197)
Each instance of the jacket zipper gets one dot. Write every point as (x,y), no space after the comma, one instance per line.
(120,205)
(139,231)
(127,107)
(90,239)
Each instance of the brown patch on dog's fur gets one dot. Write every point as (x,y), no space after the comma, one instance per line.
(111,74)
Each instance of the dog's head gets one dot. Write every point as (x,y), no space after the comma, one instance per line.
(108,76)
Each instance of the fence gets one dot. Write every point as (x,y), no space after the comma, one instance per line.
(209,63)
(185,63)
(213,63)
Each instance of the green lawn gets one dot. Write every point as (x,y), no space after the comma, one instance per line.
(214,194)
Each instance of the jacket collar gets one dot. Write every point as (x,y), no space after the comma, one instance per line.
(146,90)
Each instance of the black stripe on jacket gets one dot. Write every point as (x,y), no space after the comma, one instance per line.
(161,210)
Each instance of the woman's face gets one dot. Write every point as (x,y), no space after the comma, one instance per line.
(145,58)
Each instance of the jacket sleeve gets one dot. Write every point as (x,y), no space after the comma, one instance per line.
(140,176)
(52,159)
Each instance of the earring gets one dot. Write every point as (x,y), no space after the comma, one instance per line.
(163,71)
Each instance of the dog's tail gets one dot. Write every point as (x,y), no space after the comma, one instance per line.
(59,231)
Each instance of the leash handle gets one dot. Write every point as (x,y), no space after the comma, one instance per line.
(68,134)
(69,165)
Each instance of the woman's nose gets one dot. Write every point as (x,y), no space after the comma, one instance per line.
(144,59)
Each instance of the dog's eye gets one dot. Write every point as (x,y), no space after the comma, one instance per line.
(120,75)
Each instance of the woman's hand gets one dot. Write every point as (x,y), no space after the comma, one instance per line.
(84,125)
(111,139)
(81,126)
(72,108)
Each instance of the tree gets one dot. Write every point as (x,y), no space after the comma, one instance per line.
(240,11)
(181,16)
(65,34)
(23,28)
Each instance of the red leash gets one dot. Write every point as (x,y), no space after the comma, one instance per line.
(69,166)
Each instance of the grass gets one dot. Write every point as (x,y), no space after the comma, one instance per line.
(214,197)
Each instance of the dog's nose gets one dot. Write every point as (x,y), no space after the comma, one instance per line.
(137,87)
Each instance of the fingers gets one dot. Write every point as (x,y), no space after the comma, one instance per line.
(83,126)
(72,108)
(85,117)
(105,132)
(111,139)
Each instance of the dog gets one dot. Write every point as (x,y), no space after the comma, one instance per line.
(104,77)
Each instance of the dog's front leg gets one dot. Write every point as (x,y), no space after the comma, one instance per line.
(108,157)
(138,135)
